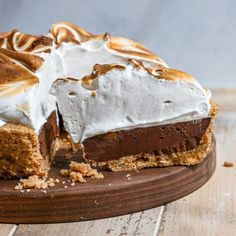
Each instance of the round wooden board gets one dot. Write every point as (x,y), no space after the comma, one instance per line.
(117,194)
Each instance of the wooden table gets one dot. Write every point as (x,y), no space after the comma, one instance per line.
(209,211)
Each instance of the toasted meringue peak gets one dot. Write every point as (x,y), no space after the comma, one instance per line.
(132,49)
(20,42)
(3,38)
(162,73)
(32,62)
(14,77)
(123,47)
(67,32)
(172,74)
(99,70)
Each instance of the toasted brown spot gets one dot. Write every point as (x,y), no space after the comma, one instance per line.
(18,41)
(67,32)
(32,62)
(172,74)
(14,78)
(99,70)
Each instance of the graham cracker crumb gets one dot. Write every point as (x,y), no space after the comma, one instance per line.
(64,172)
(68,156)
(77,172)
(128,176)
(228,164)
(35,182)
(94,93)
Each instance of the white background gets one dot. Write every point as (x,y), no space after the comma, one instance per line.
(198,36)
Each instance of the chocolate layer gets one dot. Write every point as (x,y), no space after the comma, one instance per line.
(48,134)
(163,139)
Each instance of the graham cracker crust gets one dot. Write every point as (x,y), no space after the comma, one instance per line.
(24,153)
(20,153)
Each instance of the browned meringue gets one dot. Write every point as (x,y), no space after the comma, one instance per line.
(67,32)
(30,64)
(20,42)
(14,77)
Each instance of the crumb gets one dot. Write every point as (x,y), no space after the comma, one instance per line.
(77,177)
(68,156)
(228,164)
(109,231)
(77,172)
(64,172)
(35,182)
(28,190)
(94,93)
(72,184)
(63,182)
(65,186)
(128,176)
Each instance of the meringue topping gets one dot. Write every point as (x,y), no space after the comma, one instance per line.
(67,32)
(24,94)
(108,83)
(20,42)
(32,62)
(14,77)
(118,46)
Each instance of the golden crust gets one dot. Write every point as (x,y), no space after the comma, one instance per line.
(19,152)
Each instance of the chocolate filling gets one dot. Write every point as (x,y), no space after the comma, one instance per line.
(163,139)
(48,134)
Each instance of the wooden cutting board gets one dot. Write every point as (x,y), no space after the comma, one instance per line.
(117,194)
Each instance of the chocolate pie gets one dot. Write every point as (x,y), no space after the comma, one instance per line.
(117,101)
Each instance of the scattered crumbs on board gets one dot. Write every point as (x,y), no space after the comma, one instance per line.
(228,164)
(36,182)
(77,172)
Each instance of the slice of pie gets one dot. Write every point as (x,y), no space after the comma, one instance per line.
(117,101)
(125,107)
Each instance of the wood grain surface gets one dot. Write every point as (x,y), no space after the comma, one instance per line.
(209,211)
(117,194)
